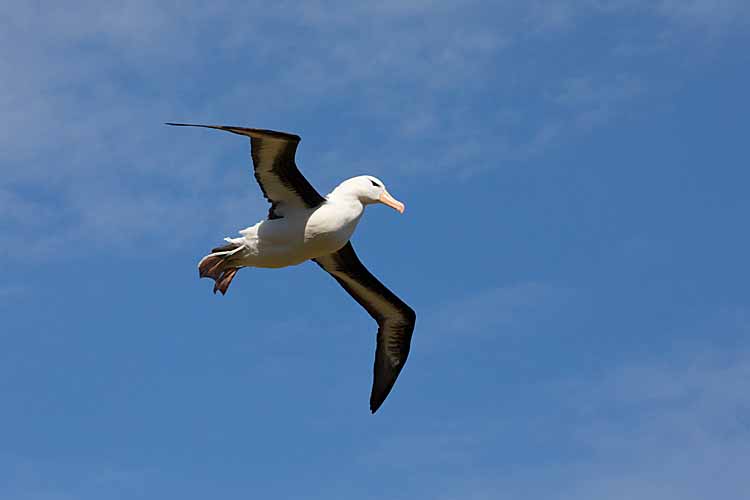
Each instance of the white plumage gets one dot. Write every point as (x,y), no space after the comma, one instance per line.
(302,233)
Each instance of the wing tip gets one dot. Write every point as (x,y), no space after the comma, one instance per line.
(248,132)
(378,397)
(173,124)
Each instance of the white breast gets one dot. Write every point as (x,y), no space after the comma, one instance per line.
(331,226)
(300,235)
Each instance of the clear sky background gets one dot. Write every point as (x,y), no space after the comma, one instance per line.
(575,244)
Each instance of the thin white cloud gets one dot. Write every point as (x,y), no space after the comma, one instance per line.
(672,428)
(499,311)
(668,430)
(680,14)
(712,14)
(8,292)
(436,84)
(594,102)
(26,478)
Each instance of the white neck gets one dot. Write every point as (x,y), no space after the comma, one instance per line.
(344,194)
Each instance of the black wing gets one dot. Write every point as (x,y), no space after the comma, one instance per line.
(275,170)
(395,319)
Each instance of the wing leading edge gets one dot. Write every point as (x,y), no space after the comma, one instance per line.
(274,167)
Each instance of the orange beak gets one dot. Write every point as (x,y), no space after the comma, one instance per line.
(392,202)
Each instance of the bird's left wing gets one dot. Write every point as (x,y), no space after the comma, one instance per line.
(274,167)
(395,319)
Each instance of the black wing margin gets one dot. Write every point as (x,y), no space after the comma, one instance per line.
(273,152)
(395,319)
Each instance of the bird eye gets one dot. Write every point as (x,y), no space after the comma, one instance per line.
(375,183)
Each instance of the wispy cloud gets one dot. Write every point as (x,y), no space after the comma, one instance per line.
(668,430)
(32,479)
(673,14)
(8,292)
(506,309)
(593,102)
(713,14)
(440,87)
(662,429)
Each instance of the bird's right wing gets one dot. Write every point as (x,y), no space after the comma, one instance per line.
(395,319)
(275,170)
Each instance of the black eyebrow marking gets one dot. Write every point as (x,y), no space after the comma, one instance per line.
(375,183)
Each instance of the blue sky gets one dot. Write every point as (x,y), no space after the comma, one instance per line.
(575,245)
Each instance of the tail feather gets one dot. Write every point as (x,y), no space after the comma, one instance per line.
(211,266)
(222,284)
(219,267)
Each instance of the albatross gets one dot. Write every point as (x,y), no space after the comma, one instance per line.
(303,225)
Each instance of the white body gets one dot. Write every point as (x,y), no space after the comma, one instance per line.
(302,234)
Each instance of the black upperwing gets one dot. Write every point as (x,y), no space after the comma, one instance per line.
(395,319)
(273,152)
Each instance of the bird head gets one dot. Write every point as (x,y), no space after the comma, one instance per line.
(375,192)
(368,190)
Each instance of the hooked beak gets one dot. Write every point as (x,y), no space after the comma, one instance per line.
(392,202)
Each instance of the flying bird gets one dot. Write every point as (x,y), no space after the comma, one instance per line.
(303,225)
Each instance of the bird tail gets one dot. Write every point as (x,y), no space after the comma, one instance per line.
(219,267)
